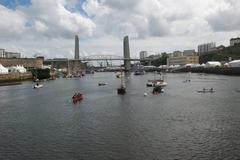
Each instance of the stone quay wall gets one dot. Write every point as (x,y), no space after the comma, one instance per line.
(15,77)
(25,62)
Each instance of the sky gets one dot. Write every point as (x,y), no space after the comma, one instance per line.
(47,27)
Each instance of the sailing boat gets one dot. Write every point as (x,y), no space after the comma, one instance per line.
(121,89)
(156,82)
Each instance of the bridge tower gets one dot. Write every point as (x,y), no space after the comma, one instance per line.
(76,47)
(126,54)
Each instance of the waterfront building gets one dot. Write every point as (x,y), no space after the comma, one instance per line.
(143,55)
(71,65)
(234,41)
(177,54)
(12,55)
(183,60)
(2,53)
(207,47)
(190,52)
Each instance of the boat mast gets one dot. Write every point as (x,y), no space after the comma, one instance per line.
(121,79)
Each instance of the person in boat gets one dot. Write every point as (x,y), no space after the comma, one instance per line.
(204,89)
(74,96)
(37,84)
(211,90)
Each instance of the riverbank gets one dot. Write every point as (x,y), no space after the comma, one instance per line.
(215,70)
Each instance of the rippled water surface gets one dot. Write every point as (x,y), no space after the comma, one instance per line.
(178,124)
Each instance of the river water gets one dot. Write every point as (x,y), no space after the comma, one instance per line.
(177,124)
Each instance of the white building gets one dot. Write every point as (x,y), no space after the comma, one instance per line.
(207,47)
(143,54)
(2,53)
(234,41)
(235,63)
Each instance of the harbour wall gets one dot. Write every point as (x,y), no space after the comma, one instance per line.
(15,77)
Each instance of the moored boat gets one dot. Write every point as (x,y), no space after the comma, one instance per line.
(152,83)
(102,84)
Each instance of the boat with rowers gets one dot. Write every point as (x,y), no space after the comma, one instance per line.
(204,90)
(77,97)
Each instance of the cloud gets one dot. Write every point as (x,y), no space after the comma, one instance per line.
(225,16)
(48,27)
(54,20)
(12,23)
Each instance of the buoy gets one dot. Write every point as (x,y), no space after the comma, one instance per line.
(145,94)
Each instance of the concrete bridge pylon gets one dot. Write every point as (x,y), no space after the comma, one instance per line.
(126,53)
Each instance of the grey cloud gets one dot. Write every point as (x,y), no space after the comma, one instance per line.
(225,19)
(121,4)
(158,27)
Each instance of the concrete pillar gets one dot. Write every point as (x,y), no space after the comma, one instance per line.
(126,53)
(76,47)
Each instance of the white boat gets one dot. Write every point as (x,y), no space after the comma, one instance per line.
(153,83)
(156,82)
(38,86)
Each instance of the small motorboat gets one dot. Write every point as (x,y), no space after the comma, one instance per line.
(38,86)
(77,97)
(102,84)
(206,90)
